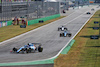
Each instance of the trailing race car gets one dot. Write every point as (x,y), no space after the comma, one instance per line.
(62,28)
(88,13)
(31,47)
(65,34)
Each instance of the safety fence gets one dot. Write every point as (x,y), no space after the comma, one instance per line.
(28,9)
(30,22)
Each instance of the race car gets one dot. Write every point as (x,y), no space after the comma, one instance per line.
(65,34)
(62,28)
(88,13)
(29,48)
(92,9)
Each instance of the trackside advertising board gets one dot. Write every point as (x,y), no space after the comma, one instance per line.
(2,24)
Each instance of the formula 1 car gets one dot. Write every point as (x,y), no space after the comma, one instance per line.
(65,34)
(92,9)
(31,47)
(88,13)
(62,28)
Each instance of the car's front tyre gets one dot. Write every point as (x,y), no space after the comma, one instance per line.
(40,48)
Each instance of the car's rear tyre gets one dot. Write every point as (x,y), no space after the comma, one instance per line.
(65,29)
(58,29)
(69,35)
(40,48)
(63,34)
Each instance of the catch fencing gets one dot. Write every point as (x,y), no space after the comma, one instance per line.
(30,10)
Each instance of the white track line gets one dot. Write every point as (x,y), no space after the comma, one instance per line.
(65,45)
(32,30)
(69,40)
(60,50)
(73,36)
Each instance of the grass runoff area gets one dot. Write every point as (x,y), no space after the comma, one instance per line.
(8,32)
(85,52)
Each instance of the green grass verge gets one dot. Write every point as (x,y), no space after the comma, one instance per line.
(85,52)
(8,32)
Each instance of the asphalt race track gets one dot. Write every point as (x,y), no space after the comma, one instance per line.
(46,35)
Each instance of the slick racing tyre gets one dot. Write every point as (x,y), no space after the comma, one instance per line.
(61,34)
(58,29)
(69,35)
(14,49)
(65,28)
(40,48)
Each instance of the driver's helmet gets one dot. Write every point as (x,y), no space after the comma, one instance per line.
(65,30)
(30,44)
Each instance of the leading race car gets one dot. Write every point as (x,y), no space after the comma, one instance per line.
(92,9)
(88,13)
(65,34)
(62,28)
(31,47)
